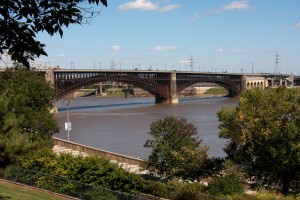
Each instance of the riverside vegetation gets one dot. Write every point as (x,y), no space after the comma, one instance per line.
(26,127)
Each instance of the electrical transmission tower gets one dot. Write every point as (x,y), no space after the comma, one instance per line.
(113,65)
(277,58)
(191,63)
(276,72)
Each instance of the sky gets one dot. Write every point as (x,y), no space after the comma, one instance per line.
(260,36)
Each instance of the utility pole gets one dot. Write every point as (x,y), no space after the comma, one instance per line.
(68,123)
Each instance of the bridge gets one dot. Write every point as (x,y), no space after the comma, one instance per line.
(164,85)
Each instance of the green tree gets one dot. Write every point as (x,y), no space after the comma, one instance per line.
(25,121)
(21,20)
(176,151)
(264,136)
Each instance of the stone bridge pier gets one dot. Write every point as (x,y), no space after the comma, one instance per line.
(173,99)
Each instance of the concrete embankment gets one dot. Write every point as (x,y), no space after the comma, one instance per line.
(131,163)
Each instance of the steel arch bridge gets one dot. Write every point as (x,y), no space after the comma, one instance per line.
(164,85)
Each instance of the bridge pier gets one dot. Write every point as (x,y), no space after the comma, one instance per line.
(98,91)
(173,89)
(173,98)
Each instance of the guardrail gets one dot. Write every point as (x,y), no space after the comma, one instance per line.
(102,153)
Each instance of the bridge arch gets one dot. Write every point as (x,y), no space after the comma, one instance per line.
(233,88)
(68,86)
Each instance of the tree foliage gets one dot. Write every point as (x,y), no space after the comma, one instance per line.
(176,151)
(21,20)
(91,170)
(25,121)
(230,184)
(264,136)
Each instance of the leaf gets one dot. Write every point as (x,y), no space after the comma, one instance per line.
(60,32)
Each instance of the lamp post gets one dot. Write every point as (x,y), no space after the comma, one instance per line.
(68,123)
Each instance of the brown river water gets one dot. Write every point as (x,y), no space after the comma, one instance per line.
(121,125)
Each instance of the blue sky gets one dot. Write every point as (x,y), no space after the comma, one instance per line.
(219,35)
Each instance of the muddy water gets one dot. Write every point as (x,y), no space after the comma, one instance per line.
(121,125)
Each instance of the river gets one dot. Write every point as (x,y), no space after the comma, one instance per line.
(121,125)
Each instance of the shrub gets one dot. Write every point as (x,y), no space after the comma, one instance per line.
(157,188)
(227,185)
(187,191)
(91,170)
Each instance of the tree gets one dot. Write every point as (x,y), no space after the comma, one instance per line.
(25,121)
(176,151)
(264,136)
(21,20)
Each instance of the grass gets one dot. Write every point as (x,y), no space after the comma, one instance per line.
(217,90)
(15,192)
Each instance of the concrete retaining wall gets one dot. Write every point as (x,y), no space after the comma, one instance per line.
(99,152)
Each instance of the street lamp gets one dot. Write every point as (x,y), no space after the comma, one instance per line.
(68,123)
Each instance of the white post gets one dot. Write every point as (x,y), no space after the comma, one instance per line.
(68,126)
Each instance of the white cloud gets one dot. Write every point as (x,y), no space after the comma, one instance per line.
(169,7)
(147,5)
(138,5)
(238,51)
(196,16)
(234,5)
(115,48)
(297,26)
(184,62)
(220,50)
(237,5)
(165,48)
(61,56)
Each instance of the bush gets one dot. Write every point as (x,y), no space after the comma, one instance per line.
(187,191)
(91,170)
(227,185)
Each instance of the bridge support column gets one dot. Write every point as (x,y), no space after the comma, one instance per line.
(243,83)
(100,89)
(49,75)
(173,98)
(173,89)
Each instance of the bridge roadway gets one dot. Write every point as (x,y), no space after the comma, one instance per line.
(164,85)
